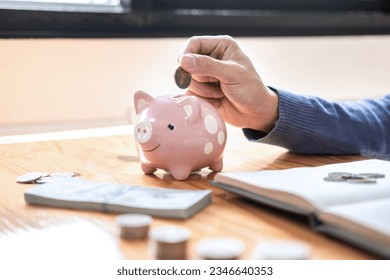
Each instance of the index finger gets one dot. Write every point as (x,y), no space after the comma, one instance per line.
(215,46)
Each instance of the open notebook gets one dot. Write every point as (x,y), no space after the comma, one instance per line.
(356,213)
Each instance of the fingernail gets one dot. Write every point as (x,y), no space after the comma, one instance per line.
(187,62)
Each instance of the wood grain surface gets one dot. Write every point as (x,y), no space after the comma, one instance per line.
(45,230)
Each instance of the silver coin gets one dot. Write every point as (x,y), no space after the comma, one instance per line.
(63,174)
(220,248)
(46,179)
(282,250)
(169,242)
(182,78)
(334,179)
(30,177)
(134,226)
(170,234)
(134,220)
(361,180)
(356,176)
(343,175)
(372,175)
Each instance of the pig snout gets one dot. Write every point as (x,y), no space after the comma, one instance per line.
(143,131)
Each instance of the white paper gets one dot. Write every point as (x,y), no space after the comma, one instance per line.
(308,183)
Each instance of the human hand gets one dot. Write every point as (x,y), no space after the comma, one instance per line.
(224,75)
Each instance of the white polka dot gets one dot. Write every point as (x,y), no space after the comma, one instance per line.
(221,137)
(208,148)
(211,124)
(188,110)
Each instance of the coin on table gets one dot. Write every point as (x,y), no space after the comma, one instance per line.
(134,226)
(169,242)
(334,179)
(220,248)
(30,177)
(343,175)
(282,250)
(338,176)
(361,180)
(182,78)
(170,234)
(63,174)
(46,179)
(372,175)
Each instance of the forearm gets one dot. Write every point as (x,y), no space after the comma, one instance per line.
(315,126)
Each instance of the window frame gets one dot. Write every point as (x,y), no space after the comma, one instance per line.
(183,18)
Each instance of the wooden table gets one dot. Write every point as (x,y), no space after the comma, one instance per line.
(44,231)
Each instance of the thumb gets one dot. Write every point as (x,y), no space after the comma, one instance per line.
(203,65)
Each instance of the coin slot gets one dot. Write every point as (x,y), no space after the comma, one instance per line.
(177,96)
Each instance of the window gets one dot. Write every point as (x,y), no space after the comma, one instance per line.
(140,18)
(62,5)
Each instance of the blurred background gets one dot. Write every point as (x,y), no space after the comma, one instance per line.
(76,64)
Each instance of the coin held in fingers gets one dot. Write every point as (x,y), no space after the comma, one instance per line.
(182,78)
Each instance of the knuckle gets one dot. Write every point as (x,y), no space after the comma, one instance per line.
(207,63)
(195,41)
(227,37)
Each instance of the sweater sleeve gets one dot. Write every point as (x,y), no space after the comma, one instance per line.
(313,125)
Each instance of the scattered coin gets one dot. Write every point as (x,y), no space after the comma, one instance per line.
(343,175)
(43,177)
(169,242)
(63,174)
(334,179)
(220,248)
(356,176)
(134,226)
(30,177)
(182,78)
(282,250)
(372,175)
(360,178)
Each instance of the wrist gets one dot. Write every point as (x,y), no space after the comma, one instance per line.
(269,113)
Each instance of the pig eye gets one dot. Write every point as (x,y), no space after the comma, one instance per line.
(171,126)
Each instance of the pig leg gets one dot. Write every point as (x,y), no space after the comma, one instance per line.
(147,168)
(216,165)
(180,173)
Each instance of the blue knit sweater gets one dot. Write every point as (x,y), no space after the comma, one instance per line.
(312,125)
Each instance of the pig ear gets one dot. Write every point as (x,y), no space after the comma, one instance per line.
(191,108)
(141,101)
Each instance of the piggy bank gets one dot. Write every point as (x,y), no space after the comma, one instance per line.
(178,133)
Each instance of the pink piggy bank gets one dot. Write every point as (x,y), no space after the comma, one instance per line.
(178,133)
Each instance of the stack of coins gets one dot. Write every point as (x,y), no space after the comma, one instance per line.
(220,248)
(282,250)
(360,178)
(169,242)
(134,226)
(42,177)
